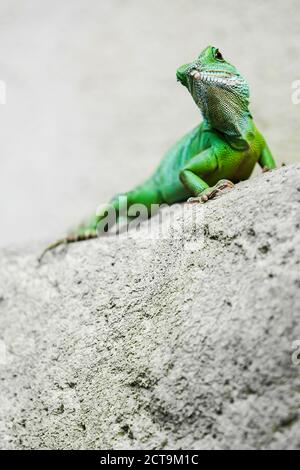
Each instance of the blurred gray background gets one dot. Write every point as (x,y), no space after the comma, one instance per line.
(93,102)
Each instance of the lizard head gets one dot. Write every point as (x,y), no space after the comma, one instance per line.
(218,89)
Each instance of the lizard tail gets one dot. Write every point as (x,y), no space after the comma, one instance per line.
(146,195)
(65,241)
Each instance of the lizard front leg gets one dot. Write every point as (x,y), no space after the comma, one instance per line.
(266,160)
(193,177)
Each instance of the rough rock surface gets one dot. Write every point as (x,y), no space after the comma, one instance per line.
(185,341)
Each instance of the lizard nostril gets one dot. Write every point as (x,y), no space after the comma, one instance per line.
(179,76)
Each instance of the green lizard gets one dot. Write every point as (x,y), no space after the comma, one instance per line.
(219,152)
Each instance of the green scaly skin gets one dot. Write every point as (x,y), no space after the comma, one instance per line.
(221,151)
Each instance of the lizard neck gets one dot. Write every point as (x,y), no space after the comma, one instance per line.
(227,119)
(234,124)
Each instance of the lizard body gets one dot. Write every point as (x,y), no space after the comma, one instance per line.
(219,152)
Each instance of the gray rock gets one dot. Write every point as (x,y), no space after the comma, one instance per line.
(186,341)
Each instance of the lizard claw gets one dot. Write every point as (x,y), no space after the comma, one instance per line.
(265,169)
(201,199)
(210,193)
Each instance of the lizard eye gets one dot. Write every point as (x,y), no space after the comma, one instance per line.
(218,55)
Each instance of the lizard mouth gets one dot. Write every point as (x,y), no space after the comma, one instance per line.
(215,77)
(205,84)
